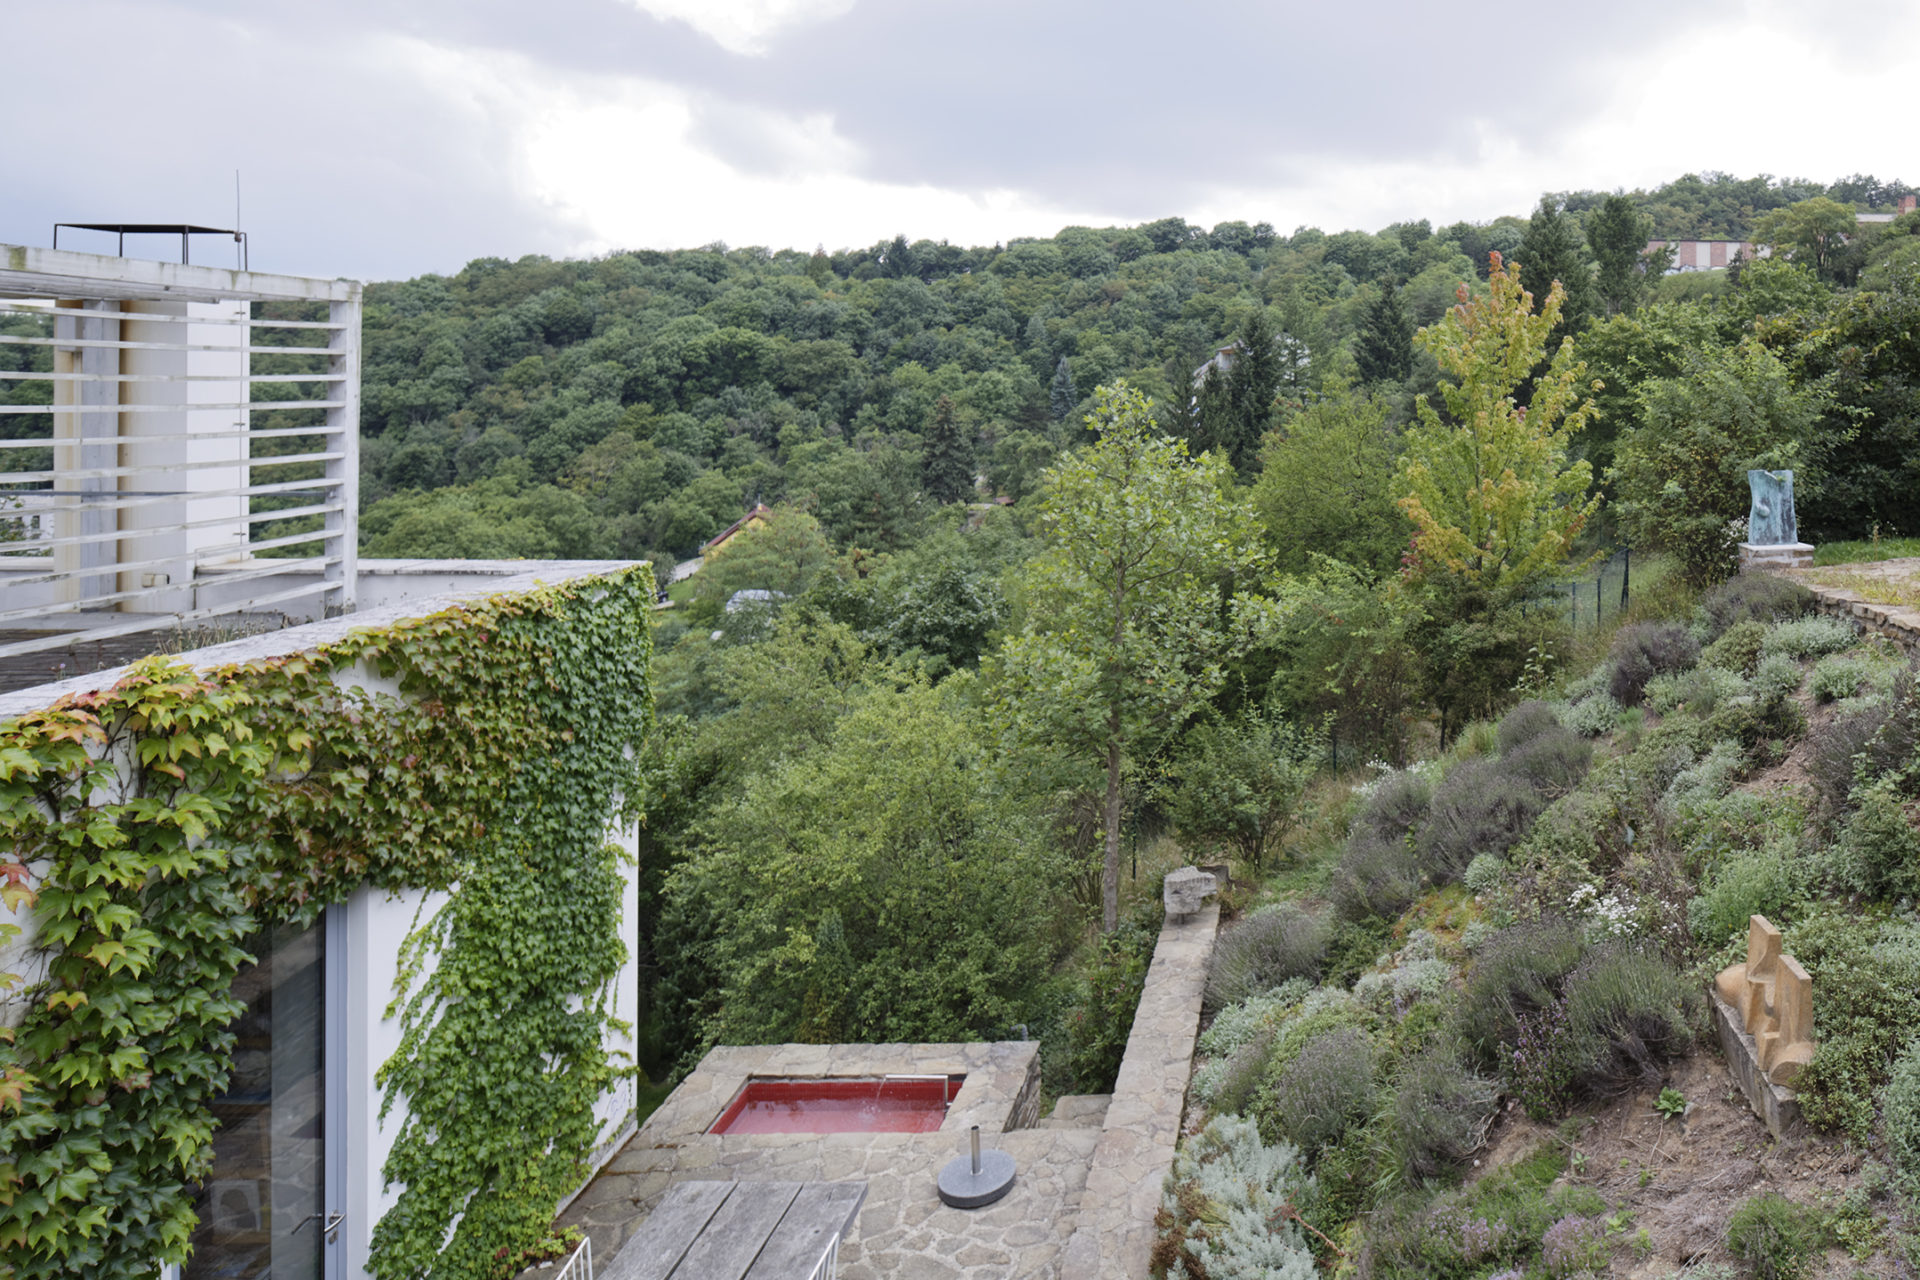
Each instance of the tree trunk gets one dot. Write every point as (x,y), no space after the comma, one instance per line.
(1110,872)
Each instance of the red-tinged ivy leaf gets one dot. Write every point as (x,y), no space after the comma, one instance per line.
(14,1085)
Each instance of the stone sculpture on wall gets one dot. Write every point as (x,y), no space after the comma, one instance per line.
(1773,996)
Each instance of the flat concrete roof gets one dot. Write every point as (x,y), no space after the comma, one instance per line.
(304,639)
(27,272)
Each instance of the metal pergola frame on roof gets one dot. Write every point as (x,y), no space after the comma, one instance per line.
(185,230)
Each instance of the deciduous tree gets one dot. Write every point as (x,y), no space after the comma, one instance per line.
(1326,485)
(1492,496)
(1681,475)
(1813,232)
(1126,626)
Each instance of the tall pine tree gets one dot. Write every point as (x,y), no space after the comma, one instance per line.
(946,468)
(1553,249)
(1617,232)
(1384,351)
(1236,408)
(1063,398)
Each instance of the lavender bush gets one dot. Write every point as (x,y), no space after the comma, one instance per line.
(1574,1244)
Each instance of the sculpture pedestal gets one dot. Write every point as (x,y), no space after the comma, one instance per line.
(1776,556)
(1777,1106)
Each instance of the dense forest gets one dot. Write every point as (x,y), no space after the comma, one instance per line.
(634,405)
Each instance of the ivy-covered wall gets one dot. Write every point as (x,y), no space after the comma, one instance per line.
(149,828)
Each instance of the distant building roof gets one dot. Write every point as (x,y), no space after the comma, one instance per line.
(752,595)
(1222,360)
(759,515)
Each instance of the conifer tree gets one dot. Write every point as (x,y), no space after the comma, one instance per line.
(1553,250)
(1064,398)
(1385,349)
(1236,408)
(1618,233)
(946,469)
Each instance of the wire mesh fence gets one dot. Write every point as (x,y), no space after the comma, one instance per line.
(1599,593)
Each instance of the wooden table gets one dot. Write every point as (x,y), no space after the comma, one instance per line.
(741,1231)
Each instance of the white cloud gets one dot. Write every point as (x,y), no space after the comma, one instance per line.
(743,26)
(630,166)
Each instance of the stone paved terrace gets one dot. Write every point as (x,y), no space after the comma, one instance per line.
(903,1231)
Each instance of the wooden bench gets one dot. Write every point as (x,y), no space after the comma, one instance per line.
(741,1231)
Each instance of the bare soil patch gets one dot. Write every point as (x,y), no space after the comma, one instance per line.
(1681,1179)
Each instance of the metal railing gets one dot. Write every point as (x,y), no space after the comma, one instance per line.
(140,522)
(579,1263)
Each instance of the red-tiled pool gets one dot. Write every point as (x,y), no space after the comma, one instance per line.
(874,1104)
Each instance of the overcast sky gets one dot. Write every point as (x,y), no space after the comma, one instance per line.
(385,138)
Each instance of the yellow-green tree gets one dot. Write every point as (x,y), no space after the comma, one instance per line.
(1492,496)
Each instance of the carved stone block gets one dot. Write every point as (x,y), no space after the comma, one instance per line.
(1773,997)
(1185,890)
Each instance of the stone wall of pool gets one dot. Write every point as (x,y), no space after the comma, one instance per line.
(1088,1177)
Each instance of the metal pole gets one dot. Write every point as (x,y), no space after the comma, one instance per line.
(1626,574)
(976,1150)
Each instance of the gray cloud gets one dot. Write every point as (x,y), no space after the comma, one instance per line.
(1132,107)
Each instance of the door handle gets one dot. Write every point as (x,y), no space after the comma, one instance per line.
(332,1218)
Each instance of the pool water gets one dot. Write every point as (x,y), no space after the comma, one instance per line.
(890,1104)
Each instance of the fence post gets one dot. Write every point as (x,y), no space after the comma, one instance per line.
(1626,575)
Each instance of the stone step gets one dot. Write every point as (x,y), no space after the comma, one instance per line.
(1078,1111)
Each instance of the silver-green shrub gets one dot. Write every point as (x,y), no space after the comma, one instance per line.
(1751,882)
(1226,1196)
(1484,874)
(1835,677)
(1777,676)
(1809,637)
(1699,690)
(1593,715)
(1396,989)
(1900,1108)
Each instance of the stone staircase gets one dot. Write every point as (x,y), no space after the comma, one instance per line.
(1078,1111)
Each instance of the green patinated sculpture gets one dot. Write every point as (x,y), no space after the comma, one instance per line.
(1770,522)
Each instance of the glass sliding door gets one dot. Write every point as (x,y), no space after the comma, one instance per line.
(263,1209)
